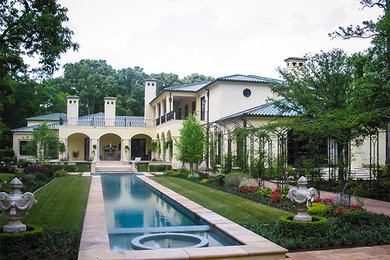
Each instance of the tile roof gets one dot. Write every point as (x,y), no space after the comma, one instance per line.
(31,128)
(265,110)
(49,117)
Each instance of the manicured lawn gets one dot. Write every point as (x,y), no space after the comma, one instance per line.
(237,209)
(60,211)
(61,205)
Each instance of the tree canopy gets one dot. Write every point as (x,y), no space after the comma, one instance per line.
(321,93)
(33,28)
(372,67)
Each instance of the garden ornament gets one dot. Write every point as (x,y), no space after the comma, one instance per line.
(15,205)
(303,198)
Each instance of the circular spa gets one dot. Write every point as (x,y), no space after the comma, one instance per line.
(168,240)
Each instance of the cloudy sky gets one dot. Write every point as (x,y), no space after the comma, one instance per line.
(210,37)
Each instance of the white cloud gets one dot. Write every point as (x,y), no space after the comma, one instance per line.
(211,37)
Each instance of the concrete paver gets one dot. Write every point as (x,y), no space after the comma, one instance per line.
(359,253)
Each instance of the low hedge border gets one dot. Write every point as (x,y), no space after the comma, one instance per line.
(289,227)
(159,167)
(11,243)
(142,167)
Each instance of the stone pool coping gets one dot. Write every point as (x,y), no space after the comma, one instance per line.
(94,242)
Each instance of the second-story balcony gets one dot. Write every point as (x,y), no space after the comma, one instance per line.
(119,121)
(179,116)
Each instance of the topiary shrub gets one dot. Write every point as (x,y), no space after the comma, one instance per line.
(14,245)
(292,228)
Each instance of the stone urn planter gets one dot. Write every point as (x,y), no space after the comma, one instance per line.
(15,205)
(302,198)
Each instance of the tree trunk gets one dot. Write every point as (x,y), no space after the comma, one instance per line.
(388,144)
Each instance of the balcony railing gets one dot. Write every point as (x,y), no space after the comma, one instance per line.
(118,122)
(179,115)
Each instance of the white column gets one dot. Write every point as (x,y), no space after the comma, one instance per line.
(169,153)
(129,151)
(66,148)
(90,150)
(167,105)
(98,150)
(122,150)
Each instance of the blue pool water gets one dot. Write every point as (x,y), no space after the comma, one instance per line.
(133,209)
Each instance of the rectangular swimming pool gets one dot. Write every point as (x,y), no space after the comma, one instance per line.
(133,208)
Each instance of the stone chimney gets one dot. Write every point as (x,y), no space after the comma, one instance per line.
(150,94)
(295,62)
(72,109)
(109,111)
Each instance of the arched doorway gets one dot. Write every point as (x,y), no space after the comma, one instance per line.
(139,147)
(78,147)
(110,147)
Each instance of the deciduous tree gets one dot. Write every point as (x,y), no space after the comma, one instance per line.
(190,145)
(320,93)
(372,84)
(45,143)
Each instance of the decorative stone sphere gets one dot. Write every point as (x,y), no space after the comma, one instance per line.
(15,205)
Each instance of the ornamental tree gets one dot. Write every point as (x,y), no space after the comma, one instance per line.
(190,145)
(372,84)
(45,143)
(320,93)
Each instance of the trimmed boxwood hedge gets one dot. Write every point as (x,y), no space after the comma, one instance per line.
(142,167)
(159,167)
(18,243)
(289,227)
(78,167)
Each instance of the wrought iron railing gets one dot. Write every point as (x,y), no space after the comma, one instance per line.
(119,122)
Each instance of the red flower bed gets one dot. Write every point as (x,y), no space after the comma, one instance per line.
(246,189)
(340,210)
(276,196)
(356,207)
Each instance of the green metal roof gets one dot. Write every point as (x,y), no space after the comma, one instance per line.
(27,129)
(194,87)
(248,78)
(295,58)
(265,110)
(49,117)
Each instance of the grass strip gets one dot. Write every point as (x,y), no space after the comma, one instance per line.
(61,205)
(237,209)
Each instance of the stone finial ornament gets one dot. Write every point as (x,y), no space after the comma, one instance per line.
(302,198)
(15,205)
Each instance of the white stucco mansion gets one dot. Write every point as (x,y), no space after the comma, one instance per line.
(225,103)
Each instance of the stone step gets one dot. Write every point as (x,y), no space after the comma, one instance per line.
(116,168)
